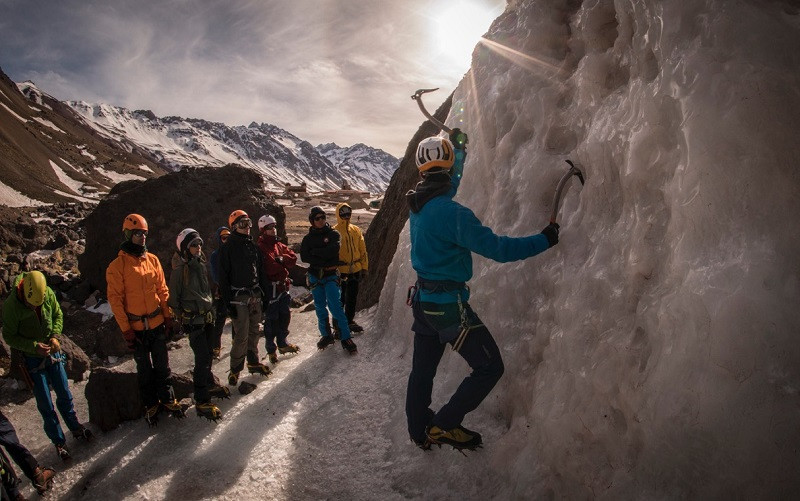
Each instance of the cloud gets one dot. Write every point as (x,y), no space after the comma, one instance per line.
(324,70)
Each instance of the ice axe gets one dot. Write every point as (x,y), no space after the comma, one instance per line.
(418,98)
(573,171)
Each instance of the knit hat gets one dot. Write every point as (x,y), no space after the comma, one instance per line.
(186,237)
(315,211)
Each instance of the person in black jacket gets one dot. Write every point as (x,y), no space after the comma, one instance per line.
(241,286)
(320,250)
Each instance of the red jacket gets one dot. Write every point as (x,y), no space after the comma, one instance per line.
(276,270)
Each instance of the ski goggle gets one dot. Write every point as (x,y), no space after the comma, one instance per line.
(244,223)
(139,233)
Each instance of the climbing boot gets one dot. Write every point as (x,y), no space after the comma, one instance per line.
(208,411)
(459,438)
(273,358)
(151,415)
(219,391)
(423,444)
(233,378)
(289,348)
(354,327)
(43,479)
(83,433)
(324,342)
(174,408)
(63,453)
(258,369)
(349,345)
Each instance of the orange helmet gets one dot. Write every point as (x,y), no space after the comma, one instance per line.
(235,215)
(134,222)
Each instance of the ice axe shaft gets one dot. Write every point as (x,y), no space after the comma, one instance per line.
(573,171)
(418,98)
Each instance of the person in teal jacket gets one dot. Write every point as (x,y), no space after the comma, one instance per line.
(444,234)
(32,324)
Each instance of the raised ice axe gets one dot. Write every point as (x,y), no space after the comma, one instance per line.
(418,98)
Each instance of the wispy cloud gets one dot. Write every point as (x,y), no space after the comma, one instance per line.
(325,70)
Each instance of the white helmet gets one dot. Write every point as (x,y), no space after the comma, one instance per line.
(435,152)
(185,237)
(264,221)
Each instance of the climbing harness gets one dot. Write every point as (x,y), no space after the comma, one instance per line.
(144,318)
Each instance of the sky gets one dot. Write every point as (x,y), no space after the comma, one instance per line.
(325,70)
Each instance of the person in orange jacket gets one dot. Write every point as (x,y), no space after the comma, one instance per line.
(138,295)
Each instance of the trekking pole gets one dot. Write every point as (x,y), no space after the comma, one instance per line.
(418,98)
(573,171)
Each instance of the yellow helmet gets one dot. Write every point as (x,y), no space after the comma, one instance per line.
(34,287)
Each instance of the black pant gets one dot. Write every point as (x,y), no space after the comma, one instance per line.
(349,294)
(152,366)
(432,334)
(201,339)
(9,483)
(18,452)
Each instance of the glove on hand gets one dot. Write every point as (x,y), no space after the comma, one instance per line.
(55,345)
(279,259)
(232,313)
(130,339)
(551,232)
(459,139)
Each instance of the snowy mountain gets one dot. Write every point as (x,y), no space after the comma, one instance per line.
(279,155)
(48,154)
(361,162)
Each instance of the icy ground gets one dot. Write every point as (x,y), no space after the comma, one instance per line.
(324,425)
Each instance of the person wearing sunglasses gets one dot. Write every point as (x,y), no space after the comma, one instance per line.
(242,284)
(222,235)
(138,294)
(191,301)
(320,250)
(353,262)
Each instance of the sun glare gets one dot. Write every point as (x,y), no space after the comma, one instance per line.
(459,27)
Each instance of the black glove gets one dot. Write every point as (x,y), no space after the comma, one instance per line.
(459,139)
(279,259)
(551,232)
(232,313)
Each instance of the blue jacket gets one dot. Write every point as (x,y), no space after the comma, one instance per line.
(444,234)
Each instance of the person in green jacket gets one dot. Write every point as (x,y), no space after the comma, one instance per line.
(32,324)
(191,301)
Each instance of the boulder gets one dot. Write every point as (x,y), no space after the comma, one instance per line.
(200,198)
(113,396)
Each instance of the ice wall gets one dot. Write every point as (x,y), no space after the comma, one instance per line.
(653,353)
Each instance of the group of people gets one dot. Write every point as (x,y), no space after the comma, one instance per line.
(246,280)
(249,283)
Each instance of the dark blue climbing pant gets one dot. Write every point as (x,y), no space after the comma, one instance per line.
(436,326)
(18,452)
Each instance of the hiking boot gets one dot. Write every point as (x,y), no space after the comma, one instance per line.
(459,438)
(354,327)
(43,479)
(473,433)
(324,342)
(151,415)
(423,444)
(289,348)
(208,411)
(83,433)
(63,453)
(218,391)
(174,408)
(215,353)
(258,369)
(273,358)
(350,346)
(233,378)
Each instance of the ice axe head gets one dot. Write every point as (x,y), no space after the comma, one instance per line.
(417,96)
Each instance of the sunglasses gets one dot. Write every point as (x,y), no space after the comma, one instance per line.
(320,218)
(269,227)
(195,244)
(223,237)
(345,214)
(139,233)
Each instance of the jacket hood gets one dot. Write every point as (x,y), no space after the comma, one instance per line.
(428,189)
(339,219)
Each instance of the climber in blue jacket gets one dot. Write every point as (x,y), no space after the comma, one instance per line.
(444,234)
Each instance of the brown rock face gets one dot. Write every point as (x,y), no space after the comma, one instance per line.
(199,198)
(384,231)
